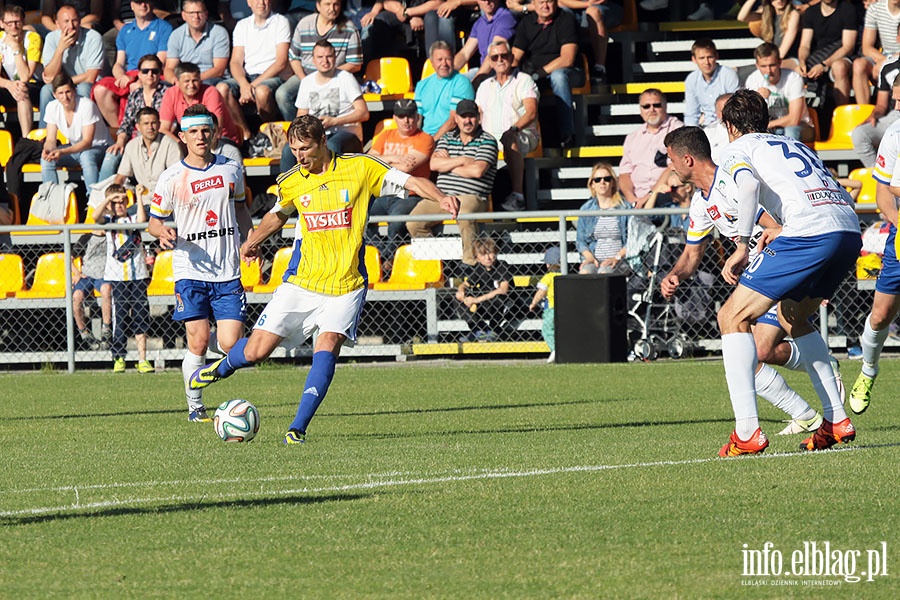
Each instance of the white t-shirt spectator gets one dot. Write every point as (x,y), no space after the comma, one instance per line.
(86,112)
(789,87)
(260,42)
(333,99)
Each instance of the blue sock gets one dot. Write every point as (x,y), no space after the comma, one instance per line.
(234,360)
(317,382)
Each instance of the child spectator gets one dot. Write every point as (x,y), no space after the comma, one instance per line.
(85,281)
(126,271)
(544,297)
(483,293)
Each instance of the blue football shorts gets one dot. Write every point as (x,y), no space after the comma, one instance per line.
(218,300)
(803,267)
(889,278)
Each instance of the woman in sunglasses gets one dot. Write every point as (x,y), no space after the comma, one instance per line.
(601,240)
(150,93)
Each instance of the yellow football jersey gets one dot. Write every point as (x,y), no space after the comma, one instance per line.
(333,209)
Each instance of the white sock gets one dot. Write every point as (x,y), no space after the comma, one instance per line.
(739,356)
(818,365)
(189,364)
(213,345)
(794,363)
(872,342)
(772,387)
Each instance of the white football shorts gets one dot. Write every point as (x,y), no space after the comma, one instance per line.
(295,314)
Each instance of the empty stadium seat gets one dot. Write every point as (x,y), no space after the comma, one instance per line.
(6,147)
(49,278)
(629,17)
(373,265)
(279,266)
(251,274)
(39,135)
(383,125)
(162,279)
(844,120)
(867,193)
(12,275)
(71,214)
(393,76)
(409,273)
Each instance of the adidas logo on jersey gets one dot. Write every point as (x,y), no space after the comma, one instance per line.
(333,219)
(312,391)
(323,188)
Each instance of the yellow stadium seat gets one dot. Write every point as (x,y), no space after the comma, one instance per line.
(6,147)
(12,275)
(393,76)
(71,215)
(373,265)
(49,278)
(409,273)
(384,125)
(39,135)
(867,193)
(844,120)
(251,274)
(279,266)
(162,279)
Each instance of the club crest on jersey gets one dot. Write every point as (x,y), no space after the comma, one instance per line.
(212,219)
(209,183)
(305,199)
(328,220)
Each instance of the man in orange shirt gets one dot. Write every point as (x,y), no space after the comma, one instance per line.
(408,149)
(188,90)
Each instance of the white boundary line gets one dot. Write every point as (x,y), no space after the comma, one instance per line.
(365,485)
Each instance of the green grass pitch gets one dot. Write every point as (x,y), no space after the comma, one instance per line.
(469,480)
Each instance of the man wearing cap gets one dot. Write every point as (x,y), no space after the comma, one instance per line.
(509,112)
(437,95)
(408,149)
(466,162)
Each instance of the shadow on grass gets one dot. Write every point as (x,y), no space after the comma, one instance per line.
(426,410)
(175,508)
(531,429)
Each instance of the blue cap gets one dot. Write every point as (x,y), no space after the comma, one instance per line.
(551,256)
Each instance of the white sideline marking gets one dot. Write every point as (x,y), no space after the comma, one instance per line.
(368,485)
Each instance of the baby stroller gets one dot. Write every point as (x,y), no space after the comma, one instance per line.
(656,325)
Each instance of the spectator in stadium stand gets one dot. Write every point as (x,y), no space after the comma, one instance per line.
(496,22)
(601,240)
(433,18)
(708,82)
(465,160)
(259,55)
(509,111)
(327,23)
(233,11)
(187,91)
(827,42)
(150,93)
(597,18)
(483,295)
(20,54)
(126,271)
(148,155)
(333,96)
(545,47)
(408,149)
(867,136)
(879,44)
(71,50)
(87,135)
(784,93)
(438,94)
(779,24)
(87,279)
(198,41)
(644,161)
(90,11)
(147,34)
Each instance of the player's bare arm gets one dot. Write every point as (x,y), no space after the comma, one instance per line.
(884,200)
(684,267)
(167,236)
(272,222)
(426,189)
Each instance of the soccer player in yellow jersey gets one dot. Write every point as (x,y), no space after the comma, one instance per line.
(325,285)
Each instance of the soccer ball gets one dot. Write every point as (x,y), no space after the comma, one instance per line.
(236,421)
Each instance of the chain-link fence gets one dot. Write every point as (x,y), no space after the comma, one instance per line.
(412,306)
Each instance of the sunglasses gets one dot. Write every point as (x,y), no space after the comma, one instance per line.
(650,105)
(150,71)
(603,178)
(496,57)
